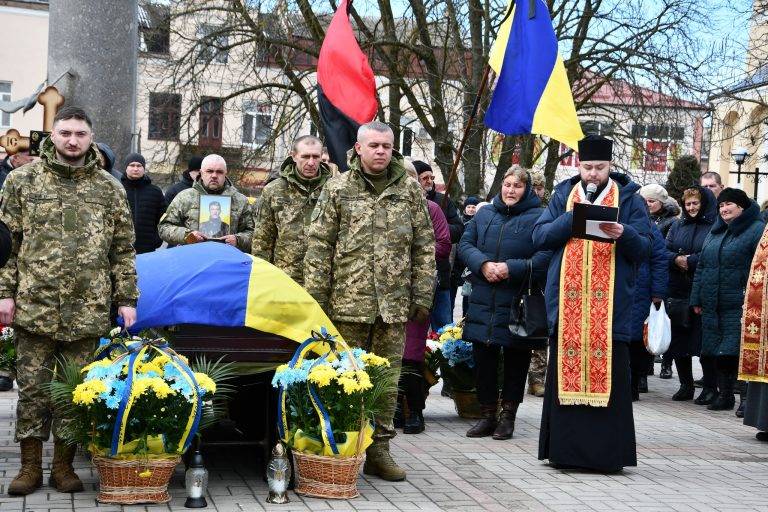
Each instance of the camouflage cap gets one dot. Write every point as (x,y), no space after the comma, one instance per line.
(537,178)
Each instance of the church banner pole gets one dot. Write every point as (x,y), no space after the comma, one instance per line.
(465,136)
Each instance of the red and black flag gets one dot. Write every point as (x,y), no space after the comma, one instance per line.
(345,85)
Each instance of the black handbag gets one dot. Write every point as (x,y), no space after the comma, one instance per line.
(528,317)
(679,312)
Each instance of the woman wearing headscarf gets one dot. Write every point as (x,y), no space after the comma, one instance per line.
(497,247)
(663,211)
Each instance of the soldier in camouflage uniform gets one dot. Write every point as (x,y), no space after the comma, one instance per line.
(370,263)
(286,205)
(538,370)
(72,259)
(180,225)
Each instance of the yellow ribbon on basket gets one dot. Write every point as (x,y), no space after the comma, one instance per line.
(306,443)
(329,345)
(135,350)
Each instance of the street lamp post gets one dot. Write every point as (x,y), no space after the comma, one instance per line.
(739,156)
(756,176)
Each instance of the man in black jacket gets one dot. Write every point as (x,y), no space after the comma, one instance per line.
(12,162)
(187,179)
(442,311)
(146,201)
(427,182)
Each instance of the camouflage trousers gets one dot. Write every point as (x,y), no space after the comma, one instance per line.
(385,340)
(35,358)
(538,371)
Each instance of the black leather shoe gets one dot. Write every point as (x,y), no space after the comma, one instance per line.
(414,424)
(643,385)
(666,372)
(684,393)
(706,396)
(6,383)
(762,436)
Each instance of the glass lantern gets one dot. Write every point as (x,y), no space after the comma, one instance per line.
(196,481)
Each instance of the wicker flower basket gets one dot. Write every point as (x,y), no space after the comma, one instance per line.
(119,480)
(466,404)
(327,477)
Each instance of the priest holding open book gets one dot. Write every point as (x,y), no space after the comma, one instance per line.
(598,227)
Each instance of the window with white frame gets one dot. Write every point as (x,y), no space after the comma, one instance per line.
(5,95)
(257,122)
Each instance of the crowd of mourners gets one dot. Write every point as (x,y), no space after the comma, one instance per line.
(390,258)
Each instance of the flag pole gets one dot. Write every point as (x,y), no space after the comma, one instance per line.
(465,136)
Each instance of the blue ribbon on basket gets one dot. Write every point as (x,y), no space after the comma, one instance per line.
(134,349)
(326,429)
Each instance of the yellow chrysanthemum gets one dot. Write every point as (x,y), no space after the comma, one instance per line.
(354,380)
(150,366)
(322,375)
(162,390)
(452,333)
(205,382)
(86,393)
(374,360)
(143,384)
(101,362)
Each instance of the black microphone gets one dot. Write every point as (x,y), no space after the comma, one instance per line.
(591,189)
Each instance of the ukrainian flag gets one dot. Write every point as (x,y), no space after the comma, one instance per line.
(212,283)
(532,93)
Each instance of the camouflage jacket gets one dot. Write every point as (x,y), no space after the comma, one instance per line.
(182,215)
(72,247)
(370,255)
(284,211)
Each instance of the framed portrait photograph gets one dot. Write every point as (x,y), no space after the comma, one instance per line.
(214,216)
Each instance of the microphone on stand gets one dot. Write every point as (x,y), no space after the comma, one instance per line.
(591,189)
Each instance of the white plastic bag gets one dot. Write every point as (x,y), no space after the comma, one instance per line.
(657,330)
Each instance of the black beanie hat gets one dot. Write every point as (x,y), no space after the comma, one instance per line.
(595,147)
(135,157)
(735,196)
(471,200)
(194,163)
(421,166)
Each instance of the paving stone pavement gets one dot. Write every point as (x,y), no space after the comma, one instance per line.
(689,459)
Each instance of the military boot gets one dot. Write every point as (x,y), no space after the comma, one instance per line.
(63,476)
(30,476)
(506,425)
(379,462)
(487,424)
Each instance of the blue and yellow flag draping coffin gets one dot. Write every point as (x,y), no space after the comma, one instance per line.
(212,283)
(532,93)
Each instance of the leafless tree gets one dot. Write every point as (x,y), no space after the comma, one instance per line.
(430,55)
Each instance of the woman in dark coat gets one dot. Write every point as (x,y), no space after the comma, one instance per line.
(684,242)
(663,211)
(146,201)
(719,283)
(497,247)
